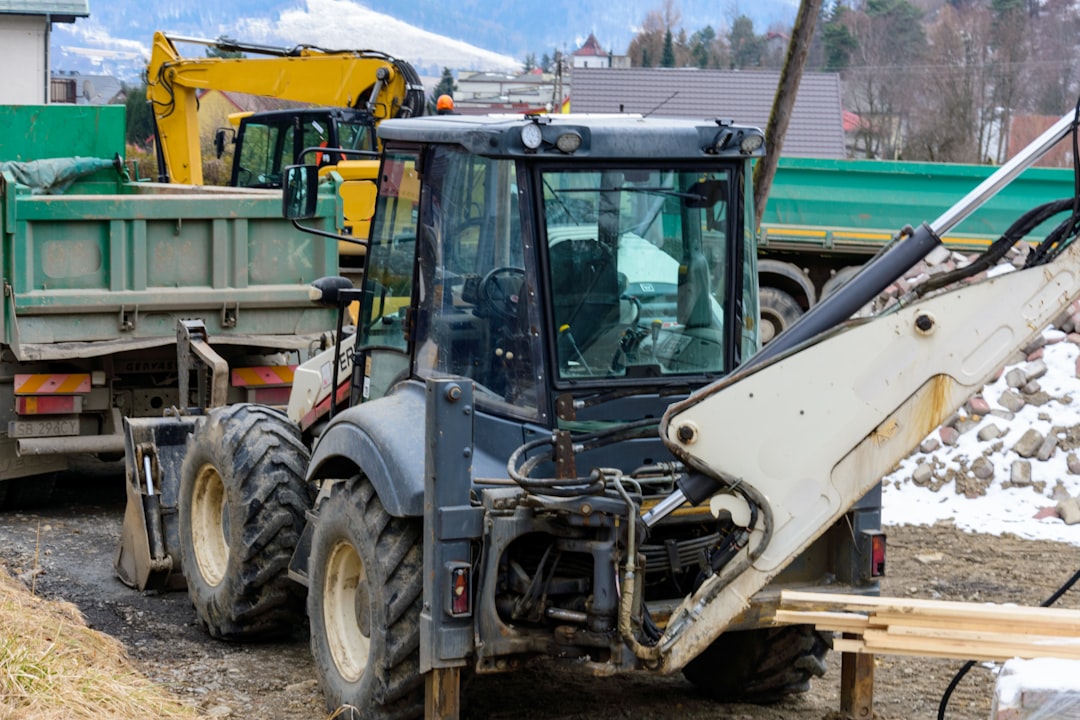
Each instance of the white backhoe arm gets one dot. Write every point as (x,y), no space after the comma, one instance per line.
(815,429)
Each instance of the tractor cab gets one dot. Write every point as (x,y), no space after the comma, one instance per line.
(551,258)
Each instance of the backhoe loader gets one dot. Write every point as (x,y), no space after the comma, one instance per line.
(564,441)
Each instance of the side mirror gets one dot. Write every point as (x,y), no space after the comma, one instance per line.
(219,141)
(300,192)
(705,193)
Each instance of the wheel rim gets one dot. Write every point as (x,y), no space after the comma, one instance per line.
(771,326)
(209,517)
(346,611)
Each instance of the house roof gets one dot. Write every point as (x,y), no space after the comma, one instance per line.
(746,96)
(591,47)
(59,10)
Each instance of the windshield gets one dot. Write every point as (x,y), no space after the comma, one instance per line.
(638,267)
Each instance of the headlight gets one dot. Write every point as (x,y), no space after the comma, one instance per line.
(531,136)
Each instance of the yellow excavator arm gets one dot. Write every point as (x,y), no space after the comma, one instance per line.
(363,79)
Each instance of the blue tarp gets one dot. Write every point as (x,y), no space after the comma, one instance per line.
(53,176)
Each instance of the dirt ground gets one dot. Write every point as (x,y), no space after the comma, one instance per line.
(66,551)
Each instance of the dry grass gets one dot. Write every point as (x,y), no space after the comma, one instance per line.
(52,666)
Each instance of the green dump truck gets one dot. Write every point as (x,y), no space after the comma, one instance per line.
(825,216)
(103,283)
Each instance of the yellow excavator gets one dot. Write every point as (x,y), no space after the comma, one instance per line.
(350,92)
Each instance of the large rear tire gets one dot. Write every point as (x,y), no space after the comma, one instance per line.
(760,666)
(242,509)
(364,600)
(779,311)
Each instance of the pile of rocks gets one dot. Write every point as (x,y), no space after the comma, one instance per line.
(999,447)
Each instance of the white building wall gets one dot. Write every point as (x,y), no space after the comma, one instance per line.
(22,54)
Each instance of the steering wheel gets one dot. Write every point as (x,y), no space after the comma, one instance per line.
(497,293)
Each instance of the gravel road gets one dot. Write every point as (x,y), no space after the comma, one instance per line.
(66,551)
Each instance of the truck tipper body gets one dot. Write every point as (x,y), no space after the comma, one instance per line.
(96,281)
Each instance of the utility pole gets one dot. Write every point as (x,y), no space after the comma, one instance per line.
(784,102)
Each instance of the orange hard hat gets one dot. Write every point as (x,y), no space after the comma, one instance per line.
(445,102)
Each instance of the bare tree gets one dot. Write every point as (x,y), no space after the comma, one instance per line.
(956,108)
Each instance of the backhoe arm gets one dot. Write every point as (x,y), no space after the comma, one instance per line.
(365,79)
(847,406)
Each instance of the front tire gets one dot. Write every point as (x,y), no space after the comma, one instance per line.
(364,600)
(760,666)
(242,509)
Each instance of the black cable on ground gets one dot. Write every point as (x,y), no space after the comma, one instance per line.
(971,663)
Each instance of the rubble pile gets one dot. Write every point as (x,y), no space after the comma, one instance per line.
(1022,432)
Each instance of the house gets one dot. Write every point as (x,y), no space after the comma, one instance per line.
(745,96)
(80,89)
(591,55)
(483,92)
(25,32)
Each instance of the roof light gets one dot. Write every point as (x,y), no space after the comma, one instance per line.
(750,143)
(531,136)
(568,142)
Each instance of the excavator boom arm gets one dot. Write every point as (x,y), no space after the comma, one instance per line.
(360,79)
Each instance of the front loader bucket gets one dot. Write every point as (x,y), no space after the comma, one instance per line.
(149,554)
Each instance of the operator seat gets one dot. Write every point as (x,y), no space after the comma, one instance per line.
(585,294)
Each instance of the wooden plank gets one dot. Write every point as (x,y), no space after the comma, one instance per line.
(848,645)
(878,641)
(791,599)
(1036,626)
(834,621)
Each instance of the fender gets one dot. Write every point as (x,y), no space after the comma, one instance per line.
(386,441)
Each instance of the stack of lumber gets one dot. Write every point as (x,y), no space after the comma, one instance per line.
(936,628)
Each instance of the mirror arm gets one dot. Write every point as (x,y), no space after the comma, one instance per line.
(324,233)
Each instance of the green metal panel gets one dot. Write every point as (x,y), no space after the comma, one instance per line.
(36,132)
(92,268)
(847,203)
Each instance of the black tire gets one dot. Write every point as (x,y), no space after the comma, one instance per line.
(367,654)
(242,509)
(27,493)
(778,311)
(760,666)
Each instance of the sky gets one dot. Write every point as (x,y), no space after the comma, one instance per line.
(1001,510)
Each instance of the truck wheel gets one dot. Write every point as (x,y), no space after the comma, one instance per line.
(778,311)
(364,600)
(760,666)
(27,493)
(242,508)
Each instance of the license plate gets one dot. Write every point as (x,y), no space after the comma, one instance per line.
(51,427)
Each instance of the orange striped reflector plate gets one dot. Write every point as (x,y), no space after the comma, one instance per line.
(268,375)
(52,384)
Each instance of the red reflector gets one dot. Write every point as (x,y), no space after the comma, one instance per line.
(460,592)
(47,405)
(270,395)
(877,555)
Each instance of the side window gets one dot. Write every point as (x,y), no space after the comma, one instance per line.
(390,254)
(473,318)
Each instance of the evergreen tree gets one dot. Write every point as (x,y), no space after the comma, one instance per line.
(140,121)
(747,48)
(667,59)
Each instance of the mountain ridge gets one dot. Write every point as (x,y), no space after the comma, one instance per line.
(116,38)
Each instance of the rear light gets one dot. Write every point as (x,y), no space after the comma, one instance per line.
(460,590)
(48,405)
(877,553)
